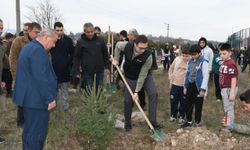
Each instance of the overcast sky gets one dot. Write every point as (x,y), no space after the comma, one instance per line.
(191,19)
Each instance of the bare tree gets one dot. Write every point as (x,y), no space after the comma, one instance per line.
(44,13)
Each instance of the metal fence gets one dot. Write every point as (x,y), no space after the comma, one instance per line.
(240,39)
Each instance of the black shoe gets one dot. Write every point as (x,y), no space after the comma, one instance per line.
(128,128)
(2,140)
(186,124)
(158,126)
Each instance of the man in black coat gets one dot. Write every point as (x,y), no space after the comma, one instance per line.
(92,54)
(62,59)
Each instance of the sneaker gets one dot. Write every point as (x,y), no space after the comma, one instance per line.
(218,100)
(172,119)
(181,121)
(186,124)
(128,128)
(72,90)
(2,140)
(197,124)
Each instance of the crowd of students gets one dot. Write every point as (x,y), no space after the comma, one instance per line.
(42,62)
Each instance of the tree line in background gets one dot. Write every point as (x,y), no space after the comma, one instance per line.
(46,14)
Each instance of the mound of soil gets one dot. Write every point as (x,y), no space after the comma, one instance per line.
(193,138)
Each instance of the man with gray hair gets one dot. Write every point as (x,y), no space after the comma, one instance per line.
(132,34)
(92,55)
(35,88)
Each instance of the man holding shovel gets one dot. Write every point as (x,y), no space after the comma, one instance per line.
(137,65)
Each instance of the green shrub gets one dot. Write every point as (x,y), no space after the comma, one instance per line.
(96,120)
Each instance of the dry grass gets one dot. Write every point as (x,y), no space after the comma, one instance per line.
(64,134)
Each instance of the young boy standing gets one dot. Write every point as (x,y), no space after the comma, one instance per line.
(195,85)
(228,82)
(176,74)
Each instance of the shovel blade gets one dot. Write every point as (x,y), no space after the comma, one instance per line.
(158,135)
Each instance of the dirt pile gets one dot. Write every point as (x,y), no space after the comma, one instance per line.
(193,138)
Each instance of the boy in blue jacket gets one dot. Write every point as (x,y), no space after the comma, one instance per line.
(195,85)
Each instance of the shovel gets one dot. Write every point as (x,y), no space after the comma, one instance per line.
(155,134)
(111,86)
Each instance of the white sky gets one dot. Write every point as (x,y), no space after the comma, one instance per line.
(191,19)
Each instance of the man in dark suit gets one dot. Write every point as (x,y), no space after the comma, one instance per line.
(35,88)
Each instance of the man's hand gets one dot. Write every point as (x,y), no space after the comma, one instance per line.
(109,45)
(78,76)
(115,62)
(185,91)
(3,85)
(135,97)
(232,96)
(201,94)
(52,105)
(226,121)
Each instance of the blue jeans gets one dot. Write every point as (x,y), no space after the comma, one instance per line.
(88,79)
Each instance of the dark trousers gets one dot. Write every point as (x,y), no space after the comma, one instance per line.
(177,101)
(217,86)
(35,128)
(141,93)
(193,101)
(7,78)
(150,88)
(88,80)
(117,81)
(142,97)
(166,63)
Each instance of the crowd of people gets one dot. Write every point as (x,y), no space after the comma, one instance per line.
(39,65)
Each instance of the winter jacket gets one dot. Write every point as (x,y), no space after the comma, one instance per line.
(217,61)
(62,58)
(6,62)
(2,51)
(91,54)
(177,71)
(208,54)
(202,74)
(15,49)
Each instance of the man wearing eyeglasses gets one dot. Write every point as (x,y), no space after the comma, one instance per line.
(33,29)
(137,66)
